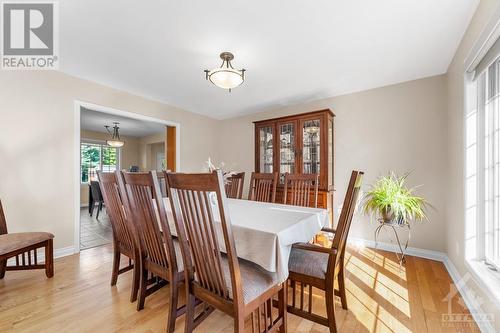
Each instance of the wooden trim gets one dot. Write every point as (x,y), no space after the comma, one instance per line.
(298,115)
(170,148)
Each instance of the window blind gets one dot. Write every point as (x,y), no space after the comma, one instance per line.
(481,64)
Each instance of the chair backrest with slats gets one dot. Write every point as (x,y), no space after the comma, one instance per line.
(263,187)
(163,183)
(143,202)
(3,222)
(234,186)
(96,191)
(199,216)
(345,219)
(299,188)
(123,232)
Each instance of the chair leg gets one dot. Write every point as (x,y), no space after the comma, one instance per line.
(116,265)
(239,324)
(49,258)
(190,303)
(136,279)
(341,280)
(3,268)
(330,309)
(282,306)
(172,314)
(143,288)
(99,208)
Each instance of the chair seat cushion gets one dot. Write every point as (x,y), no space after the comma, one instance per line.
(308,263)
(17,241)
(255,279)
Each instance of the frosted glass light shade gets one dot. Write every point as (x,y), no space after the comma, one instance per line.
(225,78)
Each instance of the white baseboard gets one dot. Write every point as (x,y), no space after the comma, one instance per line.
(466,293)
(64,251)
(58,253)
(412,251)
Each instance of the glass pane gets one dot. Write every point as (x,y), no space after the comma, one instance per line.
(311,144)
(109,159)
(266,149)
(90,155)
(330,152)
(287,148)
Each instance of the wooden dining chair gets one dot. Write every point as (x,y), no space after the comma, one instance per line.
(124,241)
(235,286)
(23,247)
(299,188)
(159,253)
(263,187)
(96,198)
(316,266)
(163,183)
(234,186)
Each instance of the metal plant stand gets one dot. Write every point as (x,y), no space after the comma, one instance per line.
(392,225)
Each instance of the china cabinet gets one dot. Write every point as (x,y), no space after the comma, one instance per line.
(301,143)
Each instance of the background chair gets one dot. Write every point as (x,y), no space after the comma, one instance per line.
(316,266)
(299,188)
(95,198)
(162,182)
(263,187)
(234,286)
(23,247)
(124,241)
(234,186)
(159,253)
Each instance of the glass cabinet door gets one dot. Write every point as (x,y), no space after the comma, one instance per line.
(330,152)
(311,150)
(266,149)
(287,148)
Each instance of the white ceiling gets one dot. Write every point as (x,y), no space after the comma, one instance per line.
(293,50)
(95,121)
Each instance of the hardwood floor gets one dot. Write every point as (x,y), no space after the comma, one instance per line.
(381,298)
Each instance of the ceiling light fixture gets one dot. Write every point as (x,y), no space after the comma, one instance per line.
(226,77)
(115,137)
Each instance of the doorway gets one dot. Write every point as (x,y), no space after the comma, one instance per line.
(144,148)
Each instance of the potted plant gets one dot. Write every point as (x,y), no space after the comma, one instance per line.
(393,201)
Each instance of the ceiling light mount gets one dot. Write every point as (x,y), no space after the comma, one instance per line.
(226,76)
(115,141)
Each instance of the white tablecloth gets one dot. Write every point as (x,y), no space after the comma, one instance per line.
(264,233)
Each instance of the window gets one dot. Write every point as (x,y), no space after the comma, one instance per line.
(483,163)
(96,157)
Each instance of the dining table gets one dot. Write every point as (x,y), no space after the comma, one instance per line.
(265,232)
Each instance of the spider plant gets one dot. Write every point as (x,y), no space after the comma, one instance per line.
(390,198)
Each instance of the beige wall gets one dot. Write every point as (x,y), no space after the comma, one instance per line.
(129,155)
(37,145)
(399,127)
(455,193)
(146,159)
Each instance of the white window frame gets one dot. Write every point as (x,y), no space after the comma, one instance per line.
(101,143)
(474,227)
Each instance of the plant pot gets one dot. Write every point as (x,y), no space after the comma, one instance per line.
(387,214)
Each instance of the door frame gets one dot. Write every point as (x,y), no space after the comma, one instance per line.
(78,105)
